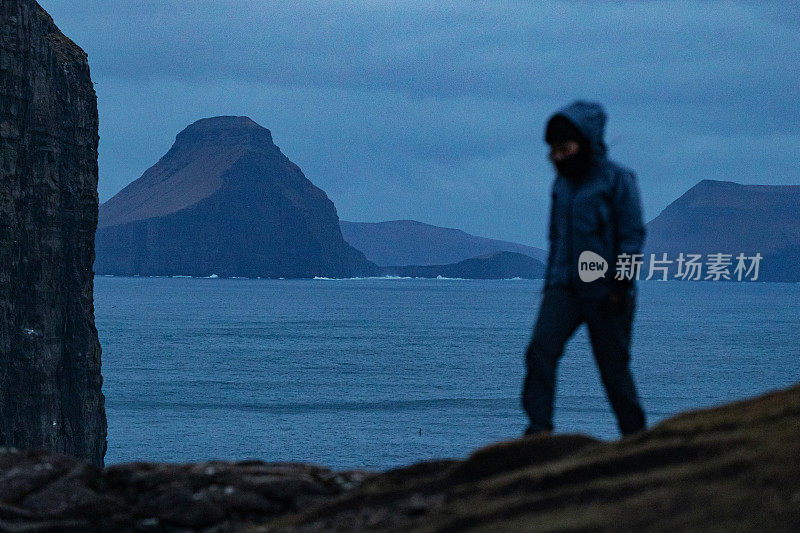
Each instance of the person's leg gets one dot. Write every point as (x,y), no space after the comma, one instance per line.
(610,335)
(559,316)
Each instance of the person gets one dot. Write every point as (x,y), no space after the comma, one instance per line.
(596,208)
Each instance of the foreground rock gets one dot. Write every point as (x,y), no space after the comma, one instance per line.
(731,468)
(224,200)
(55,492)
(736,467)
(49,353)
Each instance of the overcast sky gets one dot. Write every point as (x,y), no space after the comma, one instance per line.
(400,110)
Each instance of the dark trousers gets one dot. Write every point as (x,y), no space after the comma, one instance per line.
(560,314)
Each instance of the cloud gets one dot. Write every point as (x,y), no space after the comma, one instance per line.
(411,110)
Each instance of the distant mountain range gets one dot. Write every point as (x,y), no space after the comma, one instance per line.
(730,218)
(224,200)
(497,265)
(407,242)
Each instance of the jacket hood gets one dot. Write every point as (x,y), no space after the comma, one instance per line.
(590,119)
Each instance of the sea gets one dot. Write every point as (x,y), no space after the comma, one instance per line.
(376,373)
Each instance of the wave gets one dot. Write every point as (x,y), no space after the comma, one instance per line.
(365,277)
(319,278)
(413,405)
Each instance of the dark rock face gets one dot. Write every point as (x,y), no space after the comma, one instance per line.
(726,217)
(407,242)
(733,467)
(499,265)
(49,352)
(224,200)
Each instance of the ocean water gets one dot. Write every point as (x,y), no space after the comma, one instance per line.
(376,373)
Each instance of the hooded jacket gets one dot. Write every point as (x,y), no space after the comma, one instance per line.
(602,213)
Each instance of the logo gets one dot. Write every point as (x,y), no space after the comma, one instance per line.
(689,266)
(591,266)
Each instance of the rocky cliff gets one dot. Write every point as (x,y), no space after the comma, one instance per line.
(49,353)
(224,200)
(731,468)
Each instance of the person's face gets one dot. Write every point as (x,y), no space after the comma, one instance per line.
(563,150)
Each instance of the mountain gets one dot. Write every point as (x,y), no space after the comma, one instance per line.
(498,265)
(224,200)
(50,381)
(726,217)
(407,242)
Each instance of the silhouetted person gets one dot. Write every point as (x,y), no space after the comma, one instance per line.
(595,207)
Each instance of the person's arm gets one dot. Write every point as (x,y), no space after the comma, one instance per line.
(630,228)
(630,234)
(551,236)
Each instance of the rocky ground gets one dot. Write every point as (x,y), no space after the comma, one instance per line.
(736,467)
(46,492)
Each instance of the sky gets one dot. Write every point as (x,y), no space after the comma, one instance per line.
(434,111)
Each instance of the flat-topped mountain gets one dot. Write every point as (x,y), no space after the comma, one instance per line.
(727,217)
(408,242)
(224,200)
(192,170)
